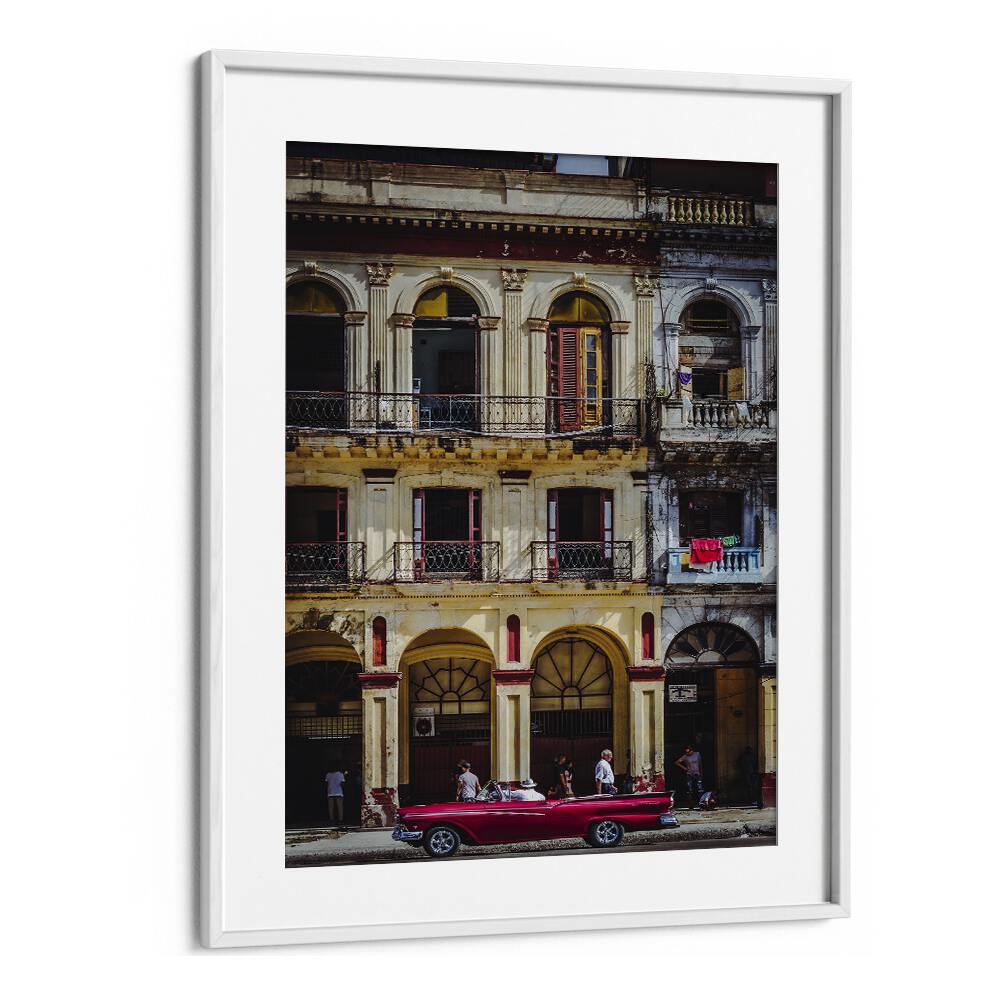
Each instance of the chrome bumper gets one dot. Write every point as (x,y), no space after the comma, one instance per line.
(669,819)
(399,833)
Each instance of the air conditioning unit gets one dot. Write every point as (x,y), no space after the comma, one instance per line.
(422,722)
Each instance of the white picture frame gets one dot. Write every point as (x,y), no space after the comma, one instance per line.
(248,898)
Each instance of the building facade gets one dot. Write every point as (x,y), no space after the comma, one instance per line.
(479,472)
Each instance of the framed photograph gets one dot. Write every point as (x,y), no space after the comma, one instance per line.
(493,561)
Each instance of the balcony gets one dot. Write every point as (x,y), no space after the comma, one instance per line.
(430,562)
(553,561)
(720,420)
(570,416)
(323,565)
(739,564)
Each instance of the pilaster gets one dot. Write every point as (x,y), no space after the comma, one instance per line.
(512,750)
(646,747)
(380,758)
(622,366)
(356,337)
(402,325)
(645,289)
(381,341)
(751,364)
(770,292)
(514,373)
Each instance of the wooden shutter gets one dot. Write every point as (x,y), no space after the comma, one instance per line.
(734,384)
(569,378)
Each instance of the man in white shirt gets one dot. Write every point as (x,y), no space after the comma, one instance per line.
(604,775)
(335,796)
(526,792)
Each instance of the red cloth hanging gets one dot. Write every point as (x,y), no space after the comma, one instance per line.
(705,550)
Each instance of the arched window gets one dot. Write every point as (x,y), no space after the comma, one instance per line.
(446,358)
(579,361)
(379,632)
(513,639)
(709,351)
(571,674)
(314,338)
(648,633)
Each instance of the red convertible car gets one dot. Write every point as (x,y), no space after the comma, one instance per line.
(495,818)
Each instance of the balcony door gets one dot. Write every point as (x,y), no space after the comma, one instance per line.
(580,532)
(316,533)
(447,532)
(579,362)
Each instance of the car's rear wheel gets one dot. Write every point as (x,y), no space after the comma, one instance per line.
(605,833)
(441,841)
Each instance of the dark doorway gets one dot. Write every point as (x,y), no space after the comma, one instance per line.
(323,727)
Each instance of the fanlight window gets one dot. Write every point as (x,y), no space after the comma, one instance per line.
(579,307)
(454,685)
(712,644)
(314,298)
(571,675)
(446,302)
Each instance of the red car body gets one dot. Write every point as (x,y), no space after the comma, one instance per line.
(494,818)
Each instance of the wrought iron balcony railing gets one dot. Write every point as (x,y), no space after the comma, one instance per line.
(415,562)
(574,416)
(581,560)
(324,564)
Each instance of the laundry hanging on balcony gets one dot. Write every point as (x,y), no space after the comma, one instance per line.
(728,541)
(705,550)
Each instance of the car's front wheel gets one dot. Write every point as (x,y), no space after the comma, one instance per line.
(441,841)
(605,833)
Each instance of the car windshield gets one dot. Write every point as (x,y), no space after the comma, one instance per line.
(492,792)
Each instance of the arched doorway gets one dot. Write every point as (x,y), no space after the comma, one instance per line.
(446,358)
(572,709)
(323,732)
(711,703)
(710,352)
(445,713)
(579,362)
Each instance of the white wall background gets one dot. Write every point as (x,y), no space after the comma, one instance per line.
(98,419)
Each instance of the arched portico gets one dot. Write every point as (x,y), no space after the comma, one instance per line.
(579,703)
(323,726)
(712,700)
(445,712)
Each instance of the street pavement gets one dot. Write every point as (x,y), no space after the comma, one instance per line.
(721,828)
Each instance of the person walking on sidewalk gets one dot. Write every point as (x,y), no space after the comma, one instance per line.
(690,763)
(604,776)
(468,784)
(335,796)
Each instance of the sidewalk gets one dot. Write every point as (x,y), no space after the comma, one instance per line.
(323,846)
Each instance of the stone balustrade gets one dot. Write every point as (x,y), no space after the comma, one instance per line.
(739,564)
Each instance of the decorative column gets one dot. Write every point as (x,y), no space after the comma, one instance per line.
(622,370)
(513,335)
(380,756)
(770,291)
(513,724)
(646,747)
(769,739)
(751,365)
(402,324)
(645,289)
(356,338)
(538,333)
(378,325)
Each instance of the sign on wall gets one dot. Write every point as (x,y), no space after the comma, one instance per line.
(682,692)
